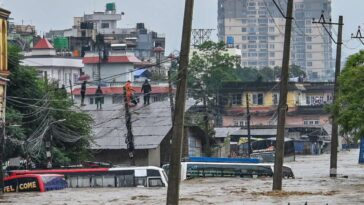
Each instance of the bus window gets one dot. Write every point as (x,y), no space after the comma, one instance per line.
(155,182)
(125,178)
(140,181)
(28,184)
(153,173)
(97,181)
(108,181)
(72,182)
(84,181)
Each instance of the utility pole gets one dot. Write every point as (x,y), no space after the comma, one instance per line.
(2,142)
(178,123)
(334,129)
(170,92)
(71,91)
(129,140)
(206,126)
(49,149)
(282,107)
(248,125)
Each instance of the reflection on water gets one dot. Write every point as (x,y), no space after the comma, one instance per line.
(311,185)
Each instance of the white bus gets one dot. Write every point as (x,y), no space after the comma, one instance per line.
(215,169)
(147,176)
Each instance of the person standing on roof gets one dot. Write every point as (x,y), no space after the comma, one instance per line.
(98,97)
(129,91)
(83,92)
(147,89)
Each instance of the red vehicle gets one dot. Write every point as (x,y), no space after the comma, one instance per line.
(34,183)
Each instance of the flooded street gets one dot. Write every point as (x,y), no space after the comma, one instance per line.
(311,185)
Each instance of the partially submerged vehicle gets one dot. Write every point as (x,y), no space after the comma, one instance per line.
(108,177)
(217,169)
(34,183)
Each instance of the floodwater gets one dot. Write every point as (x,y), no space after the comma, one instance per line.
(311,185)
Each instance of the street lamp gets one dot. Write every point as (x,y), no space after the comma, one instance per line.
(48,144)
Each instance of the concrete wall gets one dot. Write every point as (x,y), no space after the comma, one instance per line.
(154,158)
(121,157)
(111,69)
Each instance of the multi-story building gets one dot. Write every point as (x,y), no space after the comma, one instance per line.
(82,35)
(305,103)
(257,28)
(52,65)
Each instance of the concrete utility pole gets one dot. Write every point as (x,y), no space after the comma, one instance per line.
(248,125)
(282,107)
(178,124)
(129,136)
(334,130)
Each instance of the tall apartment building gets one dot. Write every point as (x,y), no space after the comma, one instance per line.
(257,28)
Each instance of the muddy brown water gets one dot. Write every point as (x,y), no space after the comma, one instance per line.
(311,185)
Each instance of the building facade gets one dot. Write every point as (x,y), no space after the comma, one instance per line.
(4,73)
(82,35)
(305,103)
(65,70)
(257,28)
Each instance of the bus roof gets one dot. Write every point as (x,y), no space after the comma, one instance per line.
(224,160)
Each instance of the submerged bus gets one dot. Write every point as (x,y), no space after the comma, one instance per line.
(34,183)
(210,169)
(148,176)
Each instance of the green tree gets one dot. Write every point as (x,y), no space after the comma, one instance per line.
(209,67)
(37,109)
(349,105)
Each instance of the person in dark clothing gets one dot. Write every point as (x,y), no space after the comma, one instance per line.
(63,91)
(83,92)
(146,89)
(98,97)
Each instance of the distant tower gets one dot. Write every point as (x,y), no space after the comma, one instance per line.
(199,36)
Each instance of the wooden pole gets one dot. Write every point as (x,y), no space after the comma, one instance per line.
(178,124)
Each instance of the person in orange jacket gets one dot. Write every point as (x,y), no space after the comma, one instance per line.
(129,91)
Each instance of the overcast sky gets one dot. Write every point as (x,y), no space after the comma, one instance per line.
(163,16)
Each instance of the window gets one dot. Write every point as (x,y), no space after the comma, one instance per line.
(311,122)
(91,101)
(275,98)
(271,29)
(309,63)
(243,29)
(272,54)
(104,25)
(155,182)
(258,99)
(309,47)
(236,99)
(271,46)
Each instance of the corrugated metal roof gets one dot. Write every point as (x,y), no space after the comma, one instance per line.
(256,132)
(150,125)
(222,132)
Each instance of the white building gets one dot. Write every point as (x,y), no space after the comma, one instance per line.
(64,69)
(116,69)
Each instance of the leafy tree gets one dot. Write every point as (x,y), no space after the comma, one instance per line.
(210,66)
(349,105)
(37,110)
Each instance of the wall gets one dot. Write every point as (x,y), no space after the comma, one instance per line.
(121,157)
(123,71)
(154,157)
